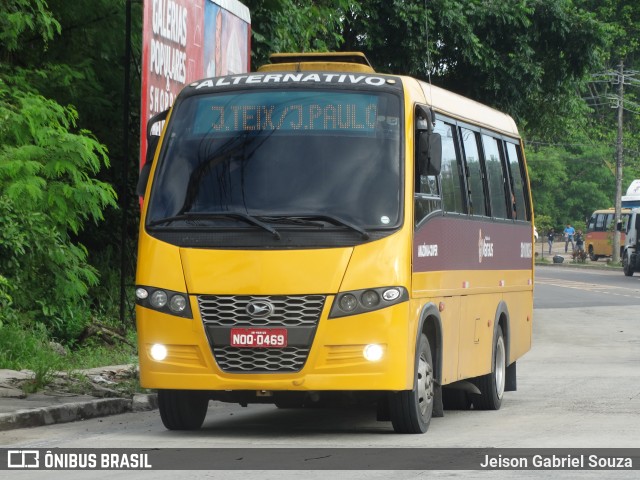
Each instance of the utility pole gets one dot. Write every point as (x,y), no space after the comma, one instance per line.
(615,256)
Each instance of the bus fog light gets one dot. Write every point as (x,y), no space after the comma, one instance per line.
(348,302)
(373,352)
(158,352)
(158,299)
(178,303)
(141,293)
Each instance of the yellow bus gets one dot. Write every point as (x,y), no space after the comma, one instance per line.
(598,242)
(316,229)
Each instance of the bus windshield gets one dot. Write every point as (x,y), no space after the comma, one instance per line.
(265,157)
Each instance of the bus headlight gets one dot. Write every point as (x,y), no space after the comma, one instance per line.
(163,300)
(370,299)
(178,303)
(367,300)
(348,302)
(158,299)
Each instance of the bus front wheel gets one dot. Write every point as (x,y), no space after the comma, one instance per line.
(592,256)
(182,409)
(411,410)
(492,384)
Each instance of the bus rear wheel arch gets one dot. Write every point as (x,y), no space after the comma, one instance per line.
(492,385)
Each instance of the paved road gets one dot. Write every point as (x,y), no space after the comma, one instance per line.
(568,287)
(578,387)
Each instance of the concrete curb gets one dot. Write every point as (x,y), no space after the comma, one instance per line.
(74,411)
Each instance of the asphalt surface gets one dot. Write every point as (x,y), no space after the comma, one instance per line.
(18,410)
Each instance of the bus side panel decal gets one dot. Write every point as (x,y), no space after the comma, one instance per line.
(447,243)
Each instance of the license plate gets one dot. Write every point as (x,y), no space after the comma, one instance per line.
(259,337)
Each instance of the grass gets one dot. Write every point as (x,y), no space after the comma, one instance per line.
(31,349)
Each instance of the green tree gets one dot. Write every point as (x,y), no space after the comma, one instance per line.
(295,26)
(526,57)
(48,189)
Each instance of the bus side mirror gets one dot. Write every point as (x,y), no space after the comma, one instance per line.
(429,153)
(152,145)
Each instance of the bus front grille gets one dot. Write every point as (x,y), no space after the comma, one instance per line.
(239,360)
(288,311)
(299,315)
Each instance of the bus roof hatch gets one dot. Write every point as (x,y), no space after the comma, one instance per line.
(323,61)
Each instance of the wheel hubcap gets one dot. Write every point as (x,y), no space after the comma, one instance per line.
(500,367)
(425,385)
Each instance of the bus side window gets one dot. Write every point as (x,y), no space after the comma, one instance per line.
(475,172)
(600,222)
(496,182)
(609,221)
(518,186)
(592,224)
(452,183)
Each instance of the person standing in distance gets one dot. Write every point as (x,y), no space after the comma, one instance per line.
(550,235)
(569,232)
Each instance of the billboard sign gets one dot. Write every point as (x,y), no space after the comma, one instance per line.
(186,40)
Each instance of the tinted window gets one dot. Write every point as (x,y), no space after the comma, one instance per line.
(609,220)
(277,153)
(452,184)
(474,172)
(495,176)
(518,186)
(600,222)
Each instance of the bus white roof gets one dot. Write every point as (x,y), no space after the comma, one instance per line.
(467,110)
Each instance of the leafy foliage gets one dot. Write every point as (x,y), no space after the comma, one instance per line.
(47,193)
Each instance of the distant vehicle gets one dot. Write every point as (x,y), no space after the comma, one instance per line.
(632,198)
(631,247)
(599,239)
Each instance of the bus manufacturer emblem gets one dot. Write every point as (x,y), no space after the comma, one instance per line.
(259,308)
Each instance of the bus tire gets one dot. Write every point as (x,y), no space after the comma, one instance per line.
(492,384)
(592,256)
(182,409)
(411,410)
(626,265)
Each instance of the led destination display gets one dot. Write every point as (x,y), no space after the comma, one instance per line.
(267,112)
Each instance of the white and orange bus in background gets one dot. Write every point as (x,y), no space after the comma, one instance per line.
(598,241)
(317,228)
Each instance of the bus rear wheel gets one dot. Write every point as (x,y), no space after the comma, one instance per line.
(592,256)
(411,410)
(182,409)
(492,384)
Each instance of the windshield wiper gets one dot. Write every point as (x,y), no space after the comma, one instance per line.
(290,220)
(304,217)
(214,215)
